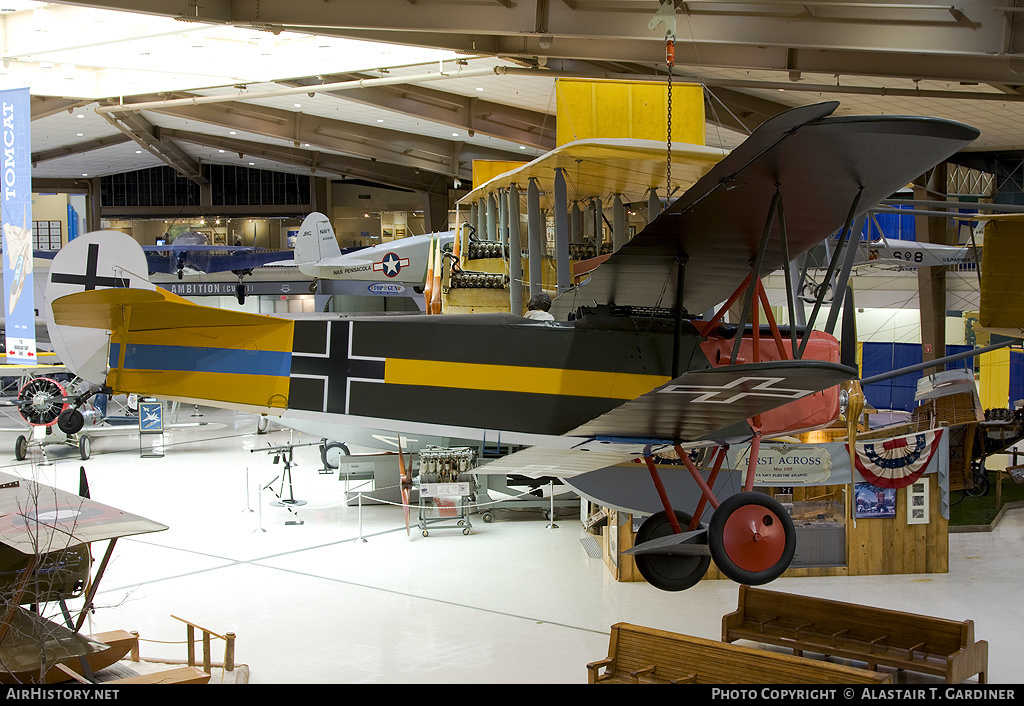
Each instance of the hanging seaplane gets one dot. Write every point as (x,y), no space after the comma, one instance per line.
(628,369)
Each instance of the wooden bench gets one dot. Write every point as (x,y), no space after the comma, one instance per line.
(642,655)
(876,636)
(179,675)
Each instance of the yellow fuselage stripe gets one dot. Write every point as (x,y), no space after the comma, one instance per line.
(256,390)
(519,378)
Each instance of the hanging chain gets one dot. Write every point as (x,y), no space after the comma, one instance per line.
(670,58)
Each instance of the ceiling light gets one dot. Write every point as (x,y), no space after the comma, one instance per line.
(380,120)
(79,134)
(479,88)
(455,134)
(85,175)
(296,105)
(79,116)
(252,164)
(232,133)
(138,151)
(522,147)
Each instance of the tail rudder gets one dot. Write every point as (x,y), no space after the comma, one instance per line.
(316,240)
(97,260)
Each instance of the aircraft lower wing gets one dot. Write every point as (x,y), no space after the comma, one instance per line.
(714,404)
(30,634)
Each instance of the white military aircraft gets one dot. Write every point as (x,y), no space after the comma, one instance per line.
(387,268)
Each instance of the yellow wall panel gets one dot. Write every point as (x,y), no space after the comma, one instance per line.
(589,109)
(994,383)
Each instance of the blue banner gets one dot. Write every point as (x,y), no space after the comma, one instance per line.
(16,216)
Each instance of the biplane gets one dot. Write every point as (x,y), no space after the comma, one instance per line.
(46,558)
(630,367)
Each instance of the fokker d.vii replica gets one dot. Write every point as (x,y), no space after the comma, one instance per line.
(630,373)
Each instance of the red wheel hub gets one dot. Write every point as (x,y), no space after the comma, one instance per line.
(754,538)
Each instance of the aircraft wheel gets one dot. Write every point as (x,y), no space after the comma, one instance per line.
(981,485)
(21,448)
(669,572)
(84,448)
(331,453)
(752,538)
(487,517)
(70,421)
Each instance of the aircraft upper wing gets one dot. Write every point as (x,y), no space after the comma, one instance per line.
(36,517)
(214,258)
(598,167)
(818,165)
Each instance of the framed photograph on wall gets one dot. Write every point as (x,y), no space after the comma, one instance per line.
(917,502)
(873,502)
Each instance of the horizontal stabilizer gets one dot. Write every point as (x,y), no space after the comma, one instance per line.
(164,345)
(150,310)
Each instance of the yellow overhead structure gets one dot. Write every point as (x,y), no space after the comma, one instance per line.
(588,108)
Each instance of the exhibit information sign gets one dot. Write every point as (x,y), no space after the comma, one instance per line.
(16,216)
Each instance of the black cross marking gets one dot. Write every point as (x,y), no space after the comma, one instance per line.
(324,367)
(735,390)
(90,279)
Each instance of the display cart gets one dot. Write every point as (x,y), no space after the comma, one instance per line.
(446,489)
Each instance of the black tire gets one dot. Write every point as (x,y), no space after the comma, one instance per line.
(84,448)
(669,572)
(70,421)
(329,453)
(748,560)
(21,448)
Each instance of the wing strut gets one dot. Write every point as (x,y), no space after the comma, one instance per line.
(755,276)
(831,269)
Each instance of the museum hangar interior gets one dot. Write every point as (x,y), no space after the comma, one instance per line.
(402,118)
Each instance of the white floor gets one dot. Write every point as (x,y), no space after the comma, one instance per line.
(515,601)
